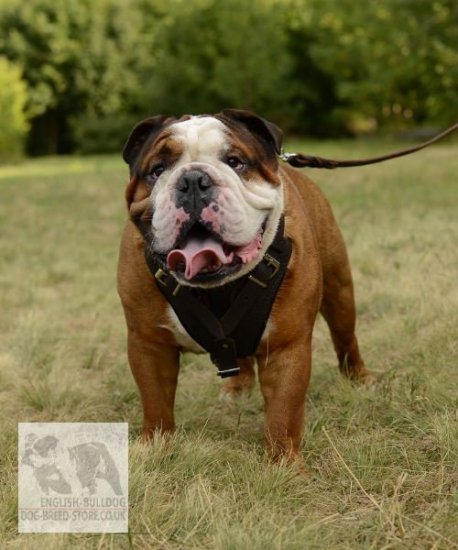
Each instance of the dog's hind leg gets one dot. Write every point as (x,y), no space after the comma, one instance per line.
(339,310)
(243,383)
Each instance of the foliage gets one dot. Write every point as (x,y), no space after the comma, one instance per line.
(111,131)
(394,60)
(320,68)
(74,54)
(13,124)
(210,55)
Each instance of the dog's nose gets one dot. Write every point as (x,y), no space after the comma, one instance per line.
(194,190)
(193,178)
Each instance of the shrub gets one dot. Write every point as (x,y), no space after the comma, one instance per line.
(94,135)
(210,55)
(13,122)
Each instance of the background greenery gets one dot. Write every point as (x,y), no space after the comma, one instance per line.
(318,67)
(382,461)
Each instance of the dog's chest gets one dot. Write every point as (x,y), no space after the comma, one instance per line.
(187,343)
(182,338)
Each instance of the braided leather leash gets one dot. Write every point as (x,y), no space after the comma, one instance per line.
(299,160)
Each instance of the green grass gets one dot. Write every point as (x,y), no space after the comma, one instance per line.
(382,460)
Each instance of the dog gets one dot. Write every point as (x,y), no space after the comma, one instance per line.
(208,203)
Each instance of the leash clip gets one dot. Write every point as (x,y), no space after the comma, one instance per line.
(284,156)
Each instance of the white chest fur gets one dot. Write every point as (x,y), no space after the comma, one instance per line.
(182,338)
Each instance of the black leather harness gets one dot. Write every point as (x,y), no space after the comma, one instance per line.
(227,321)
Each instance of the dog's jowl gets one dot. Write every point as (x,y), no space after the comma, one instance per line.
(229,252)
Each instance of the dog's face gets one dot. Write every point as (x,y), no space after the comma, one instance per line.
(205,192)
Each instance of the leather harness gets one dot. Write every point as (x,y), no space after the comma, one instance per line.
(227,321)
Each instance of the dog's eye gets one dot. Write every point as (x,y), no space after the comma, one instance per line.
(155,172)
(235,163)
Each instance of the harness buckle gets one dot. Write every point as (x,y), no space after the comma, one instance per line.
(229,372)
(160,275)
(176,290)
(257,281)
(272,262)
(224,356)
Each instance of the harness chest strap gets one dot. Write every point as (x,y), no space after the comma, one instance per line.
(228,321)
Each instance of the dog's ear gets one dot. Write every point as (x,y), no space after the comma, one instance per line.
(267,132)
(143,132)
(137,192)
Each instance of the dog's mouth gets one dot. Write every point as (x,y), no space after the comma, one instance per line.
(201,255)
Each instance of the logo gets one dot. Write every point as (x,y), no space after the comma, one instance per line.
(73,477)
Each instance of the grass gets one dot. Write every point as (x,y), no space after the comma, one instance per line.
(383,461)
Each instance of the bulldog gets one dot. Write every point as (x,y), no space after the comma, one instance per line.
(212,212)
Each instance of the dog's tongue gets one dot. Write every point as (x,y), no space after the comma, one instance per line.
(198,253)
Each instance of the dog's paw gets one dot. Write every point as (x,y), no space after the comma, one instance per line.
(237,388)
(230,394)
(367,378)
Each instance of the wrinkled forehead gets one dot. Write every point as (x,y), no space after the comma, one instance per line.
(195,127)
(193,138)
(199,136)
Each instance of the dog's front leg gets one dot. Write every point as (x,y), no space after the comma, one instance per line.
(284,377)
(155,369)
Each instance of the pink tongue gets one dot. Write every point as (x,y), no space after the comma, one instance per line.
(198,254)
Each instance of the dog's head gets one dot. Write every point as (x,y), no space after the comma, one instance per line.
(205,192)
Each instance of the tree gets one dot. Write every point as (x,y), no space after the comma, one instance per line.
(93,68)
(77,58)
(211,54)
(396,61)
(13,97)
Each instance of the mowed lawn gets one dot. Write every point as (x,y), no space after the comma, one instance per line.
(382,461)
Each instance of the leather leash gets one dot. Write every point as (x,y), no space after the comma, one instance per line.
(299,160)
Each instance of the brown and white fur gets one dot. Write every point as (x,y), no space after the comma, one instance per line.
(243,200)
